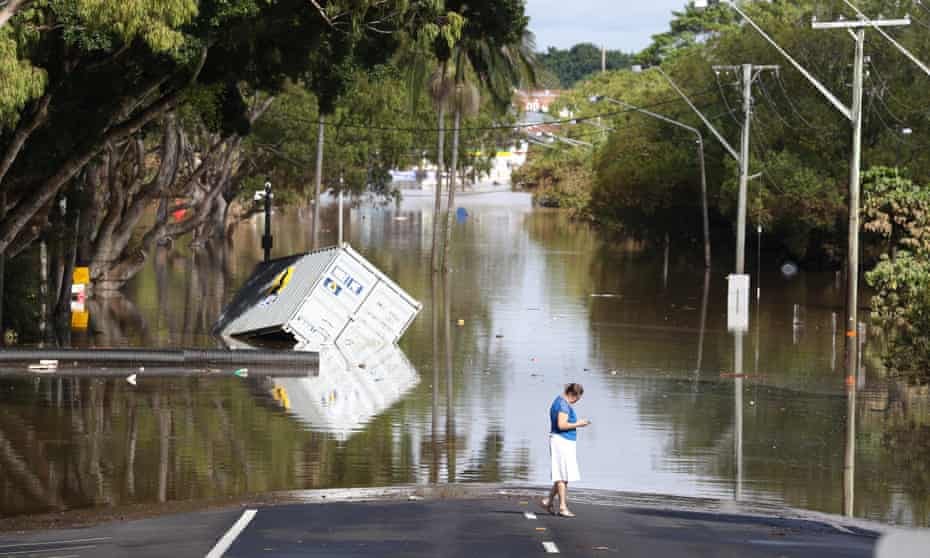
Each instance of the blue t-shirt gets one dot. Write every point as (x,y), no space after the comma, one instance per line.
(560,405)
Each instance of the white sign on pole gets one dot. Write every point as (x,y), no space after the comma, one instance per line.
(738,302)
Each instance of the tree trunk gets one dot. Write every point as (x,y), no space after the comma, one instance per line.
(69,250)
(236,213)
(23,132)
(27,208)
(2,270)
(318,179)
(440,157)
(451,201)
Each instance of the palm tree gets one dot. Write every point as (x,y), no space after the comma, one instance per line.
(441,89)
(498,68)
(433,44)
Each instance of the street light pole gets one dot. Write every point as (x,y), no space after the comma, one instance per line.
(700,144)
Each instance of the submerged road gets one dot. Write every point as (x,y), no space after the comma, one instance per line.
(471,523)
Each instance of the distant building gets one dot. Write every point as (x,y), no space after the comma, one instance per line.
(536,101)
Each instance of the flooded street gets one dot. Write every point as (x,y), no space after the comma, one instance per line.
(534,301)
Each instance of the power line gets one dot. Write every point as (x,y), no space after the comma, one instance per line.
(726,103)
(771,103)
(516,126)
(794,108)
(895,133)
(874,70)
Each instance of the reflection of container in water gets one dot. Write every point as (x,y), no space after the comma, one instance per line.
(344,396)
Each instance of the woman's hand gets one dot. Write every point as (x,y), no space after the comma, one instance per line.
(582,422)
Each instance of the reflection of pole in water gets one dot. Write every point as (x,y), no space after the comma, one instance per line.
(860,372)
(738,410)
(43,290)
(758,262)
(849,466)
(758,337)
(665,264)
(434,438)
(833,353)
(450,416)
(704,295)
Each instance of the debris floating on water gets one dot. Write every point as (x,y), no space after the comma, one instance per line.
(604,295)
(241,372)
(131,379)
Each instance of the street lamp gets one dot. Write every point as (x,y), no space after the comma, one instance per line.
(700,143)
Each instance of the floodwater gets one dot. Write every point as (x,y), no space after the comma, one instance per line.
(542,301)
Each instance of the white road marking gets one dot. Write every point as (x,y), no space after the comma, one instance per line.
(47,543)
(550,547)
(224,543)
(529,515)
(840,528)
(36,551)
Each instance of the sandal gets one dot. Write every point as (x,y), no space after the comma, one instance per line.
(566,513)
(546,504)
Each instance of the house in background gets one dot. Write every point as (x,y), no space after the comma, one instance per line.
(536,101)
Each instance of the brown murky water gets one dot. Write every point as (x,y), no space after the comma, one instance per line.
(651,349)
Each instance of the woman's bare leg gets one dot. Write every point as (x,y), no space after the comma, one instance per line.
(563,495)
(549,501)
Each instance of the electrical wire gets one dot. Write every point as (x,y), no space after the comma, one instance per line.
(726,103)
(517,126)
(771,103)
(794,108)
(873,69)
(924,8)
(895,133)
(878,94)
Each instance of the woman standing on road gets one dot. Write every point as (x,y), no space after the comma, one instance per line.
(562,440)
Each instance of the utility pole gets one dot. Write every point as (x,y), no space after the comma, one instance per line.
(603,58)
(318,179)
(748,74)
(854,114)
(857,29)
(739,286)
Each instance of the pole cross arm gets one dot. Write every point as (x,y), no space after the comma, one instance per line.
(840,106)
(700,114)
(876,25)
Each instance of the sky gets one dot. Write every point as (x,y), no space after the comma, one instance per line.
(619,24)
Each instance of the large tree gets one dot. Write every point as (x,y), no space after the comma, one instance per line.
(495,54)
(150,101)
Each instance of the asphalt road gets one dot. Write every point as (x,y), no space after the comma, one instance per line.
(482,527)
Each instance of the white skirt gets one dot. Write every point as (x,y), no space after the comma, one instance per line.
(564,459)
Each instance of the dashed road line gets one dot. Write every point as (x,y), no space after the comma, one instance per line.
(226,541)
(550,547)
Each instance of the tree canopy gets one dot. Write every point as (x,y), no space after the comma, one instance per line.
(569,66)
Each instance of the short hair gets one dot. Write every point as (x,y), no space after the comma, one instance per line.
(574,389)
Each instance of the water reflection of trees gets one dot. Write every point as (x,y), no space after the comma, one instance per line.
(793,445)
(72,443)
